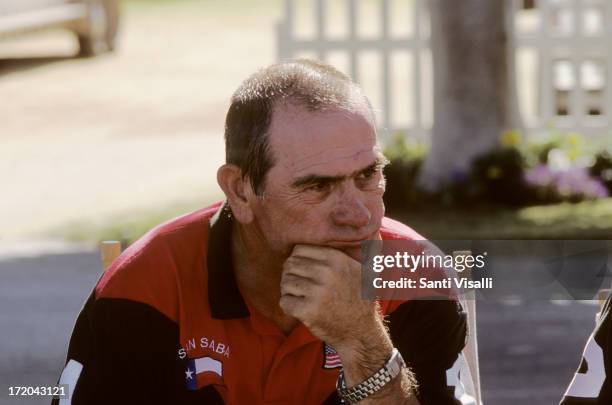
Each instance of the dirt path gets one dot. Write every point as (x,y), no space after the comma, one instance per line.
(141,128)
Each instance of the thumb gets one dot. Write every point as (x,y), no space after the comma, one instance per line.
(373,247)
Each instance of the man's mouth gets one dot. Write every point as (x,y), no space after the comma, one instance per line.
(347,243)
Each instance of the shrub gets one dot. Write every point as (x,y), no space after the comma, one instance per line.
(498,177)
(402,173)
(562,167)
(602,169)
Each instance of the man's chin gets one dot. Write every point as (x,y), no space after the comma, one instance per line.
(354,252)
(353,249)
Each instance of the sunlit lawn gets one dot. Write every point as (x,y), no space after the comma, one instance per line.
(585,220)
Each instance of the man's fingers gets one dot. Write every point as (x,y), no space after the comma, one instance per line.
(313,252)
(323,254)
(292,284)
(330,254)
(293,306)
(304,267)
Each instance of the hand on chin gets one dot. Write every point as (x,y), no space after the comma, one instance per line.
(353,252)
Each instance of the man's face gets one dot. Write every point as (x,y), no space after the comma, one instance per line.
(326,185)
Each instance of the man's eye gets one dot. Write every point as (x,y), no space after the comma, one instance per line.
(319,187)
(368,174)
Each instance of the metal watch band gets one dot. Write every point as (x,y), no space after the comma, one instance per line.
(379,379)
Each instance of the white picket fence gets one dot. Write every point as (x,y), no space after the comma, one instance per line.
(563,58)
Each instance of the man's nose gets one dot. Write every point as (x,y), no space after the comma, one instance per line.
(351,210)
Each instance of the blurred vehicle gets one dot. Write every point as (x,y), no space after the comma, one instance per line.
(94,22)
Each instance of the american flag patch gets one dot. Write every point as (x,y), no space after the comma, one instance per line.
(331,358)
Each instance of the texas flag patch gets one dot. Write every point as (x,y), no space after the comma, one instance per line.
(206,369)
(331,357)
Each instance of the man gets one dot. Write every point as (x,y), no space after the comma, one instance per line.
(591,384)
(257,299)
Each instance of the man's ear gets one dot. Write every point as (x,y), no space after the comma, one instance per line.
(238,191)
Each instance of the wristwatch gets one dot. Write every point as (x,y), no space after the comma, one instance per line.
(379,379)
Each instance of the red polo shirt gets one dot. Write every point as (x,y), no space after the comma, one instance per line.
(167,323)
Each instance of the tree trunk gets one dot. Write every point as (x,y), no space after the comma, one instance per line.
(474,93)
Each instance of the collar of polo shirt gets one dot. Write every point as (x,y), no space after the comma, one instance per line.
(224,297)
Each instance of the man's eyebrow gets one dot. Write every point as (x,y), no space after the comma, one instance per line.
(310,179)
(379,163)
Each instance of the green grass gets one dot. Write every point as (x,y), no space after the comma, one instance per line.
(585,220)
(126,227)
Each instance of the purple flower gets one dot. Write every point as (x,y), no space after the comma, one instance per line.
(574,182)
(595,189)
(540,176)
(570,182)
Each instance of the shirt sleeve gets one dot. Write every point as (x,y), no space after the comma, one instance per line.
(591,384)
(126,352)
(430,335)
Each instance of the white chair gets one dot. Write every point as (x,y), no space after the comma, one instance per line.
(602,296)
(468,361)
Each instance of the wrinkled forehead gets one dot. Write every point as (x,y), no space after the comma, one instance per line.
(332,141)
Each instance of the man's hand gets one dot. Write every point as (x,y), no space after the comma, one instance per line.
(321,286)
